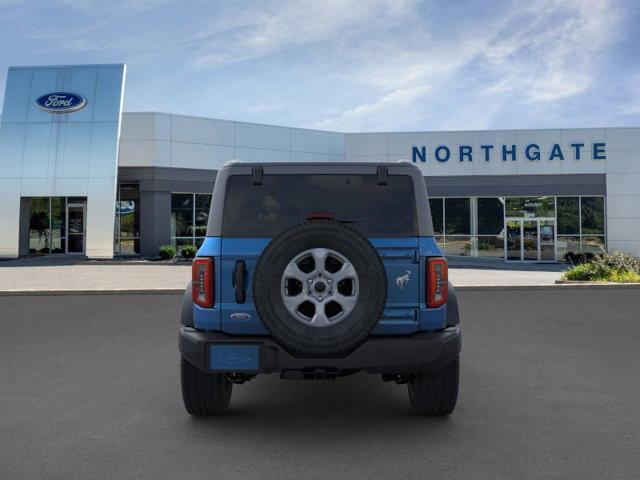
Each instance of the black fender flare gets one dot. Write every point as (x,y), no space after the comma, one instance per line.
(453,314)
(186,314)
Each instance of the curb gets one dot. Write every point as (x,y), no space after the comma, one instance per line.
(587,282)
(552,286)
(179,263)
(157,291)
(559,285)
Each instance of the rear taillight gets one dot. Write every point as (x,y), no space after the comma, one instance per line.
(437,282)
(202,286)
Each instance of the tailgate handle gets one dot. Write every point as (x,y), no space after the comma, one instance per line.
(413,255)
(402,315)
(240,274)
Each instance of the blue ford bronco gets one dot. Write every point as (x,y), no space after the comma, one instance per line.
(319,271)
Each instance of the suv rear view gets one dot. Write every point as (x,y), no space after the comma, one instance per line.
(318,271)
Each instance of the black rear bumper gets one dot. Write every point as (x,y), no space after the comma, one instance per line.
(420,352)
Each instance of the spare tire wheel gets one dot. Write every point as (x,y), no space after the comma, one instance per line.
(320,288)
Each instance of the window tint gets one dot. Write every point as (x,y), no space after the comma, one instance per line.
(39,225)
(530,207)
(490,216)
(457,214)
(491,246)
(181,214)
(189,216)
(568,216)
(435,205)
(203,202)
(127,225)
(284,200)
(593,215)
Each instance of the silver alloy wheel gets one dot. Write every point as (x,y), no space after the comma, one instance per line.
(319,287)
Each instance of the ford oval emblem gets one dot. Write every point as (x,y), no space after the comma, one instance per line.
(61,102)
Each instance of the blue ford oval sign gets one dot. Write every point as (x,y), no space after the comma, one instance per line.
(61,102)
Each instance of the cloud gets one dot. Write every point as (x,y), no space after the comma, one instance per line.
(213,34)
(630,105)
(551,57)
(535,55)
(343,64)
(397,98)
(284,25)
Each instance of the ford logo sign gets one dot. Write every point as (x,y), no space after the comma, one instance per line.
(61,102)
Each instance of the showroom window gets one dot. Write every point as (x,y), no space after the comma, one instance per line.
(568,225)
(127,226)
(457,226)
(457,216)
(530,207)
(437,217)
(592,220)
(452,224)
(57,225)
(581,223)
(189,216)
(490,226)
(47,225)
(568,215)
(474,226)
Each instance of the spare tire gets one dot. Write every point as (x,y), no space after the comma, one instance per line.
(320,288)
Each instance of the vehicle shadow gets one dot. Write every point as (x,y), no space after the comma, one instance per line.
(306,410)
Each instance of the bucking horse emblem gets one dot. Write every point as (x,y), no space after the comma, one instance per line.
(402,280)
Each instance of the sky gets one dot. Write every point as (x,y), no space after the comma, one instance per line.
(350,65)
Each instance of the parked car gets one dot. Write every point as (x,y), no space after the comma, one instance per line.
(317,271)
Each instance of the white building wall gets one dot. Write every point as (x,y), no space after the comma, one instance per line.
(397,146)
(164,140)
(623,189)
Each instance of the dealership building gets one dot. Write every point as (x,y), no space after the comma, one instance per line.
(80,176)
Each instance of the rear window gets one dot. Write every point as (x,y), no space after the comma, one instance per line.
(283,201)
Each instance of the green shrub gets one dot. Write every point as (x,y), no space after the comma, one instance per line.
(615,266)
(617,260)
(582,271)
(167,252)
(624,277)
(188,251)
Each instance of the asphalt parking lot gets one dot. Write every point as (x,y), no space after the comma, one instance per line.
(550,384)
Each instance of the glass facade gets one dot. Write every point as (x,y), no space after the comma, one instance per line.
(40,225)
(581,223)
(127,226)
(530,207)
(490,227)
(513,228)
(451,218)
(56,225)
(189,216)
(534,228)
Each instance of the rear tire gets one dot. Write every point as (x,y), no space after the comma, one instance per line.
(434,394)
(204,394)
